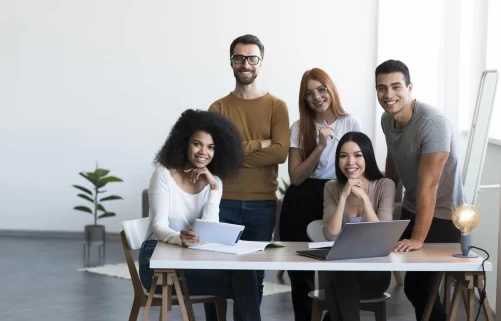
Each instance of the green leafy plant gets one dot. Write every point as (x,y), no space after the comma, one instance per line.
(283,189)
(99,179)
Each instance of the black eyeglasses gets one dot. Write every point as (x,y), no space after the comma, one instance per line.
(239,59)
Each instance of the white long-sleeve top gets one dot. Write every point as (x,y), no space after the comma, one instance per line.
(172,209)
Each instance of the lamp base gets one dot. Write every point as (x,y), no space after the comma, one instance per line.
(465,247)
(471,256)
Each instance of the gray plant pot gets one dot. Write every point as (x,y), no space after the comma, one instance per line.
(94,234)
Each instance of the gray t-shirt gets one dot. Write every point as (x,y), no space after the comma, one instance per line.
(427,132)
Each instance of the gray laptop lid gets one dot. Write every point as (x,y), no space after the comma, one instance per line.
(365,239)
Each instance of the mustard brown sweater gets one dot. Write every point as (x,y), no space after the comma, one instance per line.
(257,119)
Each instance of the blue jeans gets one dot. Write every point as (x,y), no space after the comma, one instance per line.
(241,285)
(258,217)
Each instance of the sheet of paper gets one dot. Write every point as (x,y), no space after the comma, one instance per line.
(318,245)
(242,247)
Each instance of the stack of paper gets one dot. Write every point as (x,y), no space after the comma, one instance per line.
(242,247)
(319,245)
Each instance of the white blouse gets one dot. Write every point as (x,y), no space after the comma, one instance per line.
(326,168)
(172,209)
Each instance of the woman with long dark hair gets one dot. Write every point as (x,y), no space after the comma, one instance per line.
(359,194)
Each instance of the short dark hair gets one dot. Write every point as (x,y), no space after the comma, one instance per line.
(247,40)
(372,171)
(228,152)
(390,66)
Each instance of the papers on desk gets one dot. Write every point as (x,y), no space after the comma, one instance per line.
(319,245)
(242,247)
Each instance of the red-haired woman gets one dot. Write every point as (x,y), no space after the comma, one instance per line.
(322,122)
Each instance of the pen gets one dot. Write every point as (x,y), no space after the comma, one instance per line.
(337,139)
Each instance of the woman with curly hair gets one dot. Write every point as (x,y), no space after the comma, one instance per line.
(202,148)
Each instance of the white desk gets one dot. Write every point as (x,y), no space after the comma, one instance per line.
(168,261)
(433,257)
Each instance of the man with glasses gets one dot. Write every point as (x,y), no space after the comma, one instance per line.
(263,122)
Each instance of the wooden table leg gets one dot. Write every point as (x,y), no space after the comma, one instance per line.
(465,286)
(479,283)
(186,294)
(166,281)
(433,296)
(456,296)
(447,291)
(180,298)
(398,277)
(150,298)
(469,296)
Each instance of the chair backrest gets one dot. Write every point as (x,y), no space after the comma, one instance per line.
(135,232)
(133,236)
(145,203)
(315,231)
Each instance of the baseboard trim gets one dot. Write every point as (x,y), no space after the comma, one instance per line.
(110,236)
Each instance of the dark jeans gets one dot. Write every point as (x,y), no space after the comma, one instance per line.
(345,289)
(417,285)
(258,217)
(302,204)
(241,285)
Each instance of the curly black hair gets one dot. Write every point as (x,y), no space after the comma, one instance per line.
(228,153)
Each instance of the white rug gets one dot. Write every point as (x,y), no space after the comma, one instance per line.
(121,271)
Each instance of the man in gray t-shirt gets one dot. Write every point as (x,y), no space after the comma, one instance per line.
(427,132)
(422,153)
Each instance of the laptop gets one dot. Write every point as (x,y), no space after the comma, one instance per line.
(361,240)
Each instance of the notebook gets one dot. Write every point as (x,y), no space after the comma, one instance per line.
(242,247)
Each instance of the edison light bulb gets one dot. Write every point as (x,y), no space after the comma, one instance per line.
(465,217)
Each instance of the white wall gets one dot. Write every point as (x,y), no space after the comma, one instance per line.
(420,53)
(87,80)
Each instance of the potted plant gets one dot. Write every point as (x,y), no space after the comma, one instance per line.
(283,189)
(94,234)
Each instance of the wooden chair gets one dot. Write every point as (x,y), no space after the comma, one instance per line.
(133,235)
(376,305)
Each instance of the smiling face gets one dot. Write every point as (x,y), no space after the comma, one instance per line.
(317,96)
(200,149)
(351,160)
(392,93)
(244,73)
